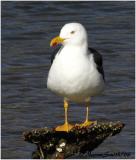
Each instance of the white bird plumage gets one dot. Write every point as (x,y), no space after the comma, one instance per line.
(73,73)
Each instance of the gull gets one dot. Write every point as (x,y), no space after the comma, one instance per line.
(76,72)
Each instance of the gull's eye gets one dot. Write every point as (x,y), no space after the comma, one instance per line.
(72,32)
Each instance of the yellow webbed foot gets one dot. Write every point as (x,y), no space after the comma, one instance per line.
(87,123)
(66,127)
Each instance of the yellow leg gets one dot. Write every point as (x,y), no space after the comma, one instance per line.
(66,126)
(87,122)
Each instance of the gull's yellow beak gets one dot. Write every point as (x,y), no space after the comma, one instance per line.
(56,40)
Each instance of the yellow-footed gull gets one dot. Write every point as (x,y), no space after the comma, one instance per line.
(76,72)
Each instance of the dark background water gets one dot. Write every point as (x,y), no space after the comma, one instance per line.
(27,28)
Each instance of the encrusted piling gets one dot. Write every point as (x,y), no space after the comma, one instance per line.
(57,145)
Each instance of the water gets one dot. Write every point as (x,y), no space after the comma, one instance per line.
(27,28)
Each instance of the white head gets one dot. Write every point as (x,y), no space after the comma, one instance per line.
(71,34)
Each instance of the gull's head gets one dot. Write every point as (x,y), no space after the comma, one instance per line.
(71,34)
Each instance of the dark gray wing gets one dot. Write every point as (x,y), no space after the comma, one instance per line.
(55,51)
(98,60)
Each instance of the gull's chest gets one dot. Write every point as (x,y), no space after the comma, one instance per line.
(73,73)
(71,63)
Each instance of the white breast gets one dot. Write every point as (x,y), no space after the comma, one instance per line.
(74,75)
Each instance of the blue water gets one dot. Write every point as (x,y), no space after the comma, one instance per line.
(27,28)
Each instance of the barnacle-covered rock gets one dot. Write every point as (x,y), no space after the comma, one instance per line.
(56,144)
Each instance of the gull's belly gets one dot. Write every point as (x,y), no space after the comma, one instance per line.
(76,81)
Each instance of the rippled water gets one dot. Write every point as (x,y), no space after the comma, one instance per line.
(27,28)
